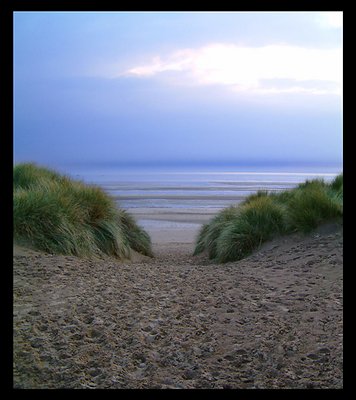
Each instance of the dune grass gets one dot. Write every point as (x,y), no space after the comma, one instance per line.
(210,232)
(238,230)
(56,214)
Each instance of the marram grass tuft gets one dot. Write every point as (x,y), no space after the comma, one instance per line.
(238,230)
(56,214)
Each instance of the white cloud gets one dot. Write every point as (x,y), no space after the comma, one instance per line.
(246,68)
(331,19)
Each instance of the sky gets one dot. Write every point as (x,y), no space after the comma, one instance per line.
(174,87)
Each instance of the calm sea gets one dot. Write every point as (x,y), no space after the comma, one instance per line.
(190,190)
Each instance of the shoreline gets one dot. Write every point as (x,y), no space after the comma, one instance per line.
(166,225)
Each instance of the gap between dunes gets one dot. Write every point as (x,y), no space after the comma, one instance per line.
(272,320)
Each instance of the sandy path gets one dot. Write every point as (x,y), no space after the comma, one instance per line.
(273,320)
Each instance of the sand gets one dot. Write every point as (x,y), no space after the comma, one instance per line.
(272,320)
(173,226)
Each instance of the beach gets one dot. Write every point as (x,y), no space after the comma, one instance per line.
(272,320)
(172,226)
(173,203)
(177,199)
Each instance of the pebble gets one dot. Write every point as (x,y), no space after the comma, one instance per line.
(37,342)
(313,356)
(190,374)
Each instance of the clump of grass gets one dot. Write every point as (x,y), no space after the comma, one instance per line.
(27,174)
(59,215)
(136,237)
(259,220)
(210,232)
(311,205)
(236,231)
(336,190)
(337,183)
(252,197)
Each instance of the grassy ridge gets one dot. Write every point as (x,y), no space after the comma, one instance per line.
(57,214)
(237,230)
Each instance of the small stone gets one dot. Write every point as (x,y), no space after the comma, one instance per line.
(240,352)
(190,374)
(312,356)
(279,366)
(140,357)
(179,386)
(247,380)
(95,333)
(88,319)
(37,342)
(77,336)
(324,350)
(227,386)
(274,373)
(43,327)
(150,338)
(94,372)
(167,381)
(147,328)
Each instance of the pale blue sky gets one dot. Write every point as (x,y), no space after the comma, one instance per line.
(136,87)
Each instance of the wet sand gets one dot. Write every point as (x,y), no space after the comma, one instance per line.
(167,226)
(272,320)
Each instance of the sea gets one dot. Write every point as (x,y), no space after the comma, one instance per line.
(185,196)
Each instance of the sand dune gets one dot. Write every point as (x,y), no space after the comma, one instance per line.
(273,320)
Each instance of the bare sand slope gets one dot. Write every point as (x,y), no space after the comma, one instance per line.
(273,320)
